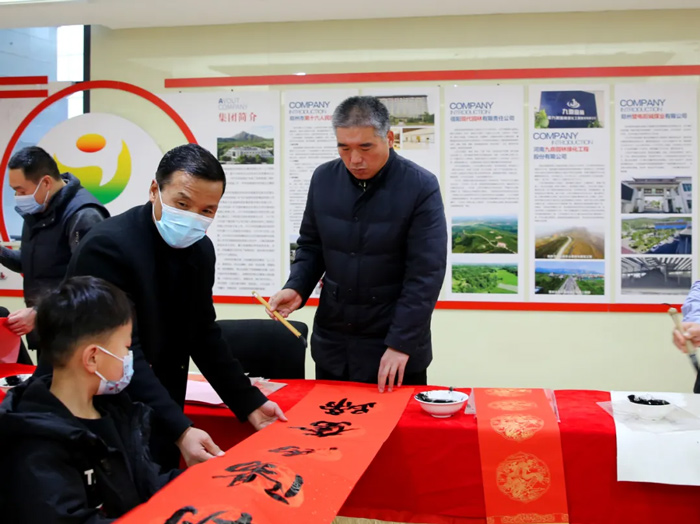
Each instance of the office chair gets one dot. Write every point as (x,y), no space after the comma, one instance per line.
(266,348)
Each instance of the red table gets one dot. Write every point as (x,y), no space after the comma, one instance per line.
(429,469)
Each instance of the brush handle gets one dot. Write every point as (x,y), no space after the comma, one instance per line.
(688,343)
(278,316)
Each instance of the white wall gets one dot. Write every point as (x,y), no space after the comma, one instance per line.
(472,348)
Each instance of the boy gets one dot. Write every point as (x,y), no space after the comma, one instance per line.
(75,449)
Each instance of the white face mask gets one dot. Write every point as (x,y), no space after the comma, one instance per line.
(27,204)
(112,387)
(180,228)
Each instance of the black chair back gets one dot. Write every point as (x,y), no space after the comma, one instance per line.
(265,348)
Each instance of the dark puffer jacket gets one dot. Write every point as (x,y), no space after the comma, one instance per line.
(383,251)
(50,237)
(53,469)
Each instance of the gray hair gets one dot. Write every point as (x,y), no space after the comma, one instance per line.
(362,111)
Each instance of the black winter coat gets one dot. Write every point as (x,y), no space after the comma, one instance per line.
(383,251)
(53,469)
(171,290)
(46,248)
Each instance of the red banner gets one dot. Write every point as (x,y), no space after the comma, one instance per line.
(521,457)
(9,344)
(298,471)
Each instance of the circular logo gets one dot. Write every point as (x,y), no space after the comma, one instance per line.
(112,157)
(90,143)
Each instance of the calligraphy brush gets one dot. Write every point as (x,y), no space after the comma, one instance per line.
(688,343)
(279,317)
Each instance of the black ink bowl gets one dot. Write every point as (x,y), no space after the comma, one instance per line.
(441,403)
(7,383)
(647,407)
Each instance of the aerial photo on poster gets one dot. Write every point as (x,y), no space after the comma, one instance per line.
(657,236)
(485,278)
(254,147)
(569,278)
(485,234)
(570,239)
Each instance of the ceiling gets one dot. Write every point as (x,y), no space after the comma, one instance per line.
(122,14)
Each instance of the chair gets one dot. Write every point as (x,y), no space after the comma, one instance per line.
(266,348)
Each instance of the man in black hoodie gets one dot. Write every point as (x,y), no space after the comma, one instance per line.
(57,213)
(75,448)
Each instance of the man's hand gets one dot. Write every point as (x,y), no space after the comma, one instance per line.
(197,446)
(21,321)
(266,415)
(391,367)
(691,331)
(285,302)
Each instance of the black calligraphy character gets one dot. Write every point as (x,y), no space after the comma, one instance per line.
(359,409)
(323,428)
(292,451)
(251,471)
(343,405)
(336,408)
(175,518)
(245,518)
(296,451)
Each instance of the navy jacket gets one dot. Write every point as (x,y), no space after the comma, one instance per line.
(383,251)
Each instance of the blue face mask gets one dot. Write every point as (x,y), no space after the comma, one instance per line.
(27,204)
(180,228)
(112,387)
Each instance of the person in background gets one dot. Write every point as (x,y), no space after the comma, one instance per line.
(75,447)
(691,325)
(57,213)
(374,228)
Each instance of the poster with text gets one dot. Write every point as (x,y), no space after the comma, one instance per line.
(414,114)
(483,194)
(656,150)
(309,142)
(569,181)
(242,130)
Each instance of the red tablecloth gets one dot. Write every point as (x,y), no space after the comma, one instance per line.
(429,469)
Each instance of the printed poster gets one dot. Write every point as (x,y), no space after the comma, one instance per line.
(656,165)
(242,130)
(569,171)
(484,197)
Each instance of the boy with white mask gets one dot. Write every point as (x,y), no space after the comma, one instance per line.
(75,441)
(160,256)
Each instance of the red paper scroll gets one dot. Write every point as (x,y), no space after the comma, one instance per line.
(298,471)
(521,457)
(9,344)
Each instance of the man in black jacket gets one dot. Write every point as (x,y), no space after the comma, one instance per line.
(160,256)
(58,212)
(374,223)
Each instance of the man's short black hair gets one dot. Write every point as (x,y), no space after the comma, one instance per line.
(35,163)
(79,309)
(194,160)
